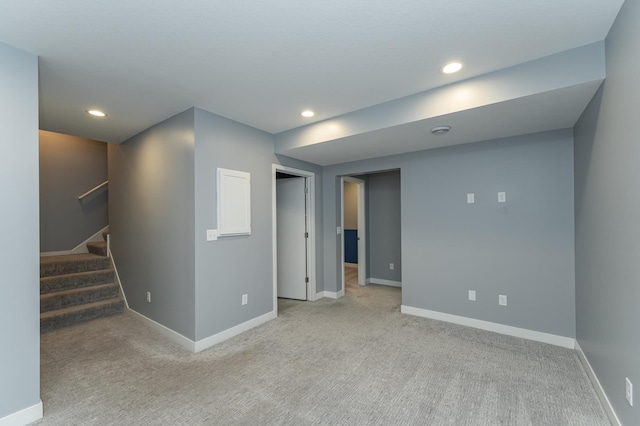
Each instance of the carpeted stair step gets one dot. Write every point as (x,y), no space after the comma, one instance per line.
(97,247)
(77,296)
(77,280)
(82,313)
(72,263)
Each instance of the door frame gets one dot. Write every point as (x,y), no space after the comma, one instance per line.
(362,231)
(311,228)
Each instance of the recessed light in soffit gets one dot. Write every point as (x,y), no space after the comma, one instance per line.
(307,113)
(452,67)
(95,113)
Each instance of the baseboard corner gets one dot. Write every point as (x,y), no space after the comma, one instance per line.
(171,335)
(23,417)
(210,341)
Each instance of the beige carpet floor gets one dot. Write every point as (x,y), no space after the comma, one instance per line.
(352,361)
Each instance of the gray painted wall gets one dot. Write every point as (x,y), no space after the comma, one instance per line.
(151,211)
(350,205)
(523,248)
(607,219)
(232,266)
(20,302)
(162,201)
(384,226)
(69,167)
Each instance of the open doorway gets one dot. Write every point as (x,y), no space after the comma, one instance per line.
(293,234)
(354,238)
(371,230)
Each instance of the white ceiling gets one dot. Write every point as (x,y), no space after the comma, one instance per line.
(262,62)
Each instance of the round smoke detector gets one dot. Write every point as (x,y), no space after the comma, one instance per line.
(440,130)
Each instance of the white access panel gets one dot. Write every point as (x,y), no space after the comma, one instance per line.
(292,244)
(234,202)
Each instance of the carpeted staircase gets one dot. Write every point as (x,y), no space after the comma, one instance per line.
(76,288)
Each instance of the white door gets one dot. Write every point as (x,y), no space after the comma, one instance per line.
(292,244)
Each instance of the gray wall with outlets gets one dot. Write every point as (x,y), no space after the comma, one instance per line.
(162,201)
(522,248)
(151,212)
(384,226)
(232,266)
(607,210)
(20,303)
(69,167)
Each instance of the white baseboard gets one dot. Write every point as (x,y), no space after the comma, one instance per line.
(175,337)
(23,417)
(552,339)
(80,248)
(602,396)
(330,294)
(384,282)
(207,342)
(54,253)
(210,341)
(117,276)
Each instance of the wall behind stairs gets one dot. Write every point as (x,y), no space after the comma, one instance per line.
(69,167)
(607,149)
(20,303)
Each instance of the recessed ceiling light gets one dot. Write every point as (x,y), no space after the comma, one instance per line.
(452,67)
(440,130)
(95,113)
(307,113)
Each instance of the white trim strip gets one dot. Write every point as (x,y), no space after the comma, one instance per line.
(602,396)
(23,417)
(175,337)
(55,253)
(330,294)
(384,282)
(210,341)
(207,342)
(115,270)
(80,248)
(552,339)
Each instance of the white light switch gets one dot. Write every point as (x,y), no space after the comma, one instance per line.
(245,299)
(392,266)
(212,234)
(502,197)
(471,198)
(339,230)
(502,300)
(472,295)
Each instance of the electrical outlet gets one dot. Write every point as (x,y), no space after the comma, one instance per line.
(392,266)
(471,198)
(502,197)
(212,234)
(245,299)
(629,391)
(502,300)
(148,297)
(472,295)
